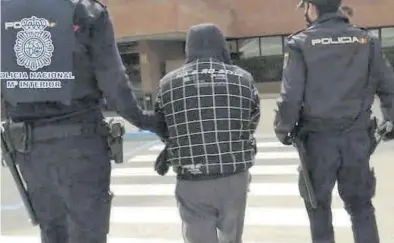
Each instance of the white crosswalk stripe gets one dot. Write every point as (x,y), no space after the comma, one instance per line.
(9,239)
(144,208)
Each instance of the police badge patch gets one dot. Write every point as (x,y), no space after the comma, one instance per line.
(38,44)
(33,46)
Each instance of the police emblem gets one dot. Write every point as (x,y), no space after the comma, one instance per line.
(33,46)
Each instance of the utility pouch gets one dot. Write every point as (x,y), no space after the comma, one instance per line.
(372,128)
(115,140)
(19,136)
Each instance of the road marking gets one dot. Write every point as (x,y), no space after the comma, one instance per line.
(260,155)
(140,148)
(11,207)
(277,155)
(256,189)
(36,239)
(255,216)
(255,170)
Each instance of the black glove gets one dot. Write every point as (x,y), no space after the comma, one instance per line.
(284,138)
(3,163)
(389,136)
(161,165)
(254,145)
(387,131)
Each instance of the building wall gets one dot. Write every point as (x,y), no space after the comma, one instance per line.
(191,12)
(150,17)
(255,28)
(235,17)
(140,17)
(267,17)
(153,58)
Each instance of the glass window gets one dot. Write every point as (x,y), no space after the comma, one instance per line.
(271,46)
(263,68)
(249,48)
(232,45)
(389,53)
(388,43)
(132,65)
(388,37)
(125,48)
(262,57)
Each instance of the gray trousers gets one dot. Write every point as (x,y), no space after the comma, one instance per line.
(68,182)
(342,157)
(213,211)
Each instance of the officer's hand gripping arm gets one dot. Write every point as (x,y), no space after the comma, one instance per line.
(159,111)
(292,93)
(162,165)
(112,77)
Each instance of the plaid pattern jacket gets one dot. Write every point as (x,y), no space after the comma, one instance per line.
(211,110)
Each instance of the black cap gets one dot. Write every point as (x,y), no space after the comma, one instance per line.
(332,4)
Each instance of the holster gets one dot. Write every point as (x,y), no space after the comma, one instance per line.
(14,139)
(18,136)
(372,128)
(115,140)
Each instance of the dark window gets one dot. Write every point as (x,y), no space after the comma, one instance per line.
(248,48)
(131,61)
(388,43)
(262,57)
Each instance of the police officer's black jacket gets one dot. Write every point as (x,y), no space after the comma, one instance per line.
(332,70)
(98,72)
(211,109)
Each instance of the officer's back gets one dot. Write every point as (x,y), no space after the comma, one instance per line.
(332,72)
(337,56)
(83,45)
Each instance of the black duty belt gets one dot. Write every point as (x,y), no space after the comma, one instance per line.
(48,132)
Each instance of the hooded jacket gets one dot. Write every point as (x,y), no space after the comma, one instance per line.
(206,41)
(211,109)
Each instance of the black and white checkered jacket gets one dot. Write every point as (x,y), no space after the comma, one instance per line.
(211,110)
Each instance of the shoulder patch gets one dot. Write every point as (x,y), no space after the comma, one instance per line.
(101,2)
(295,33)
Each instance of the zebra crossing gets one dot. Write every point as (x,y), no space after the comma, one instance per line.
(144,208)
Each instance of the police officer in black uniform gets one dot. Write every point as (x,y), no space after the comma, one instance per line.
(332,71)
(59,58)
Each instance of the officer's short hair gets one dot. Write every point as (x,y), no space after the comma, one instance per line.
(323,8)
(326,6)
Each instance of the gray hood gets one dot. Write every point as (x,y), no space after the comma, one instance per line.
(206,41)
